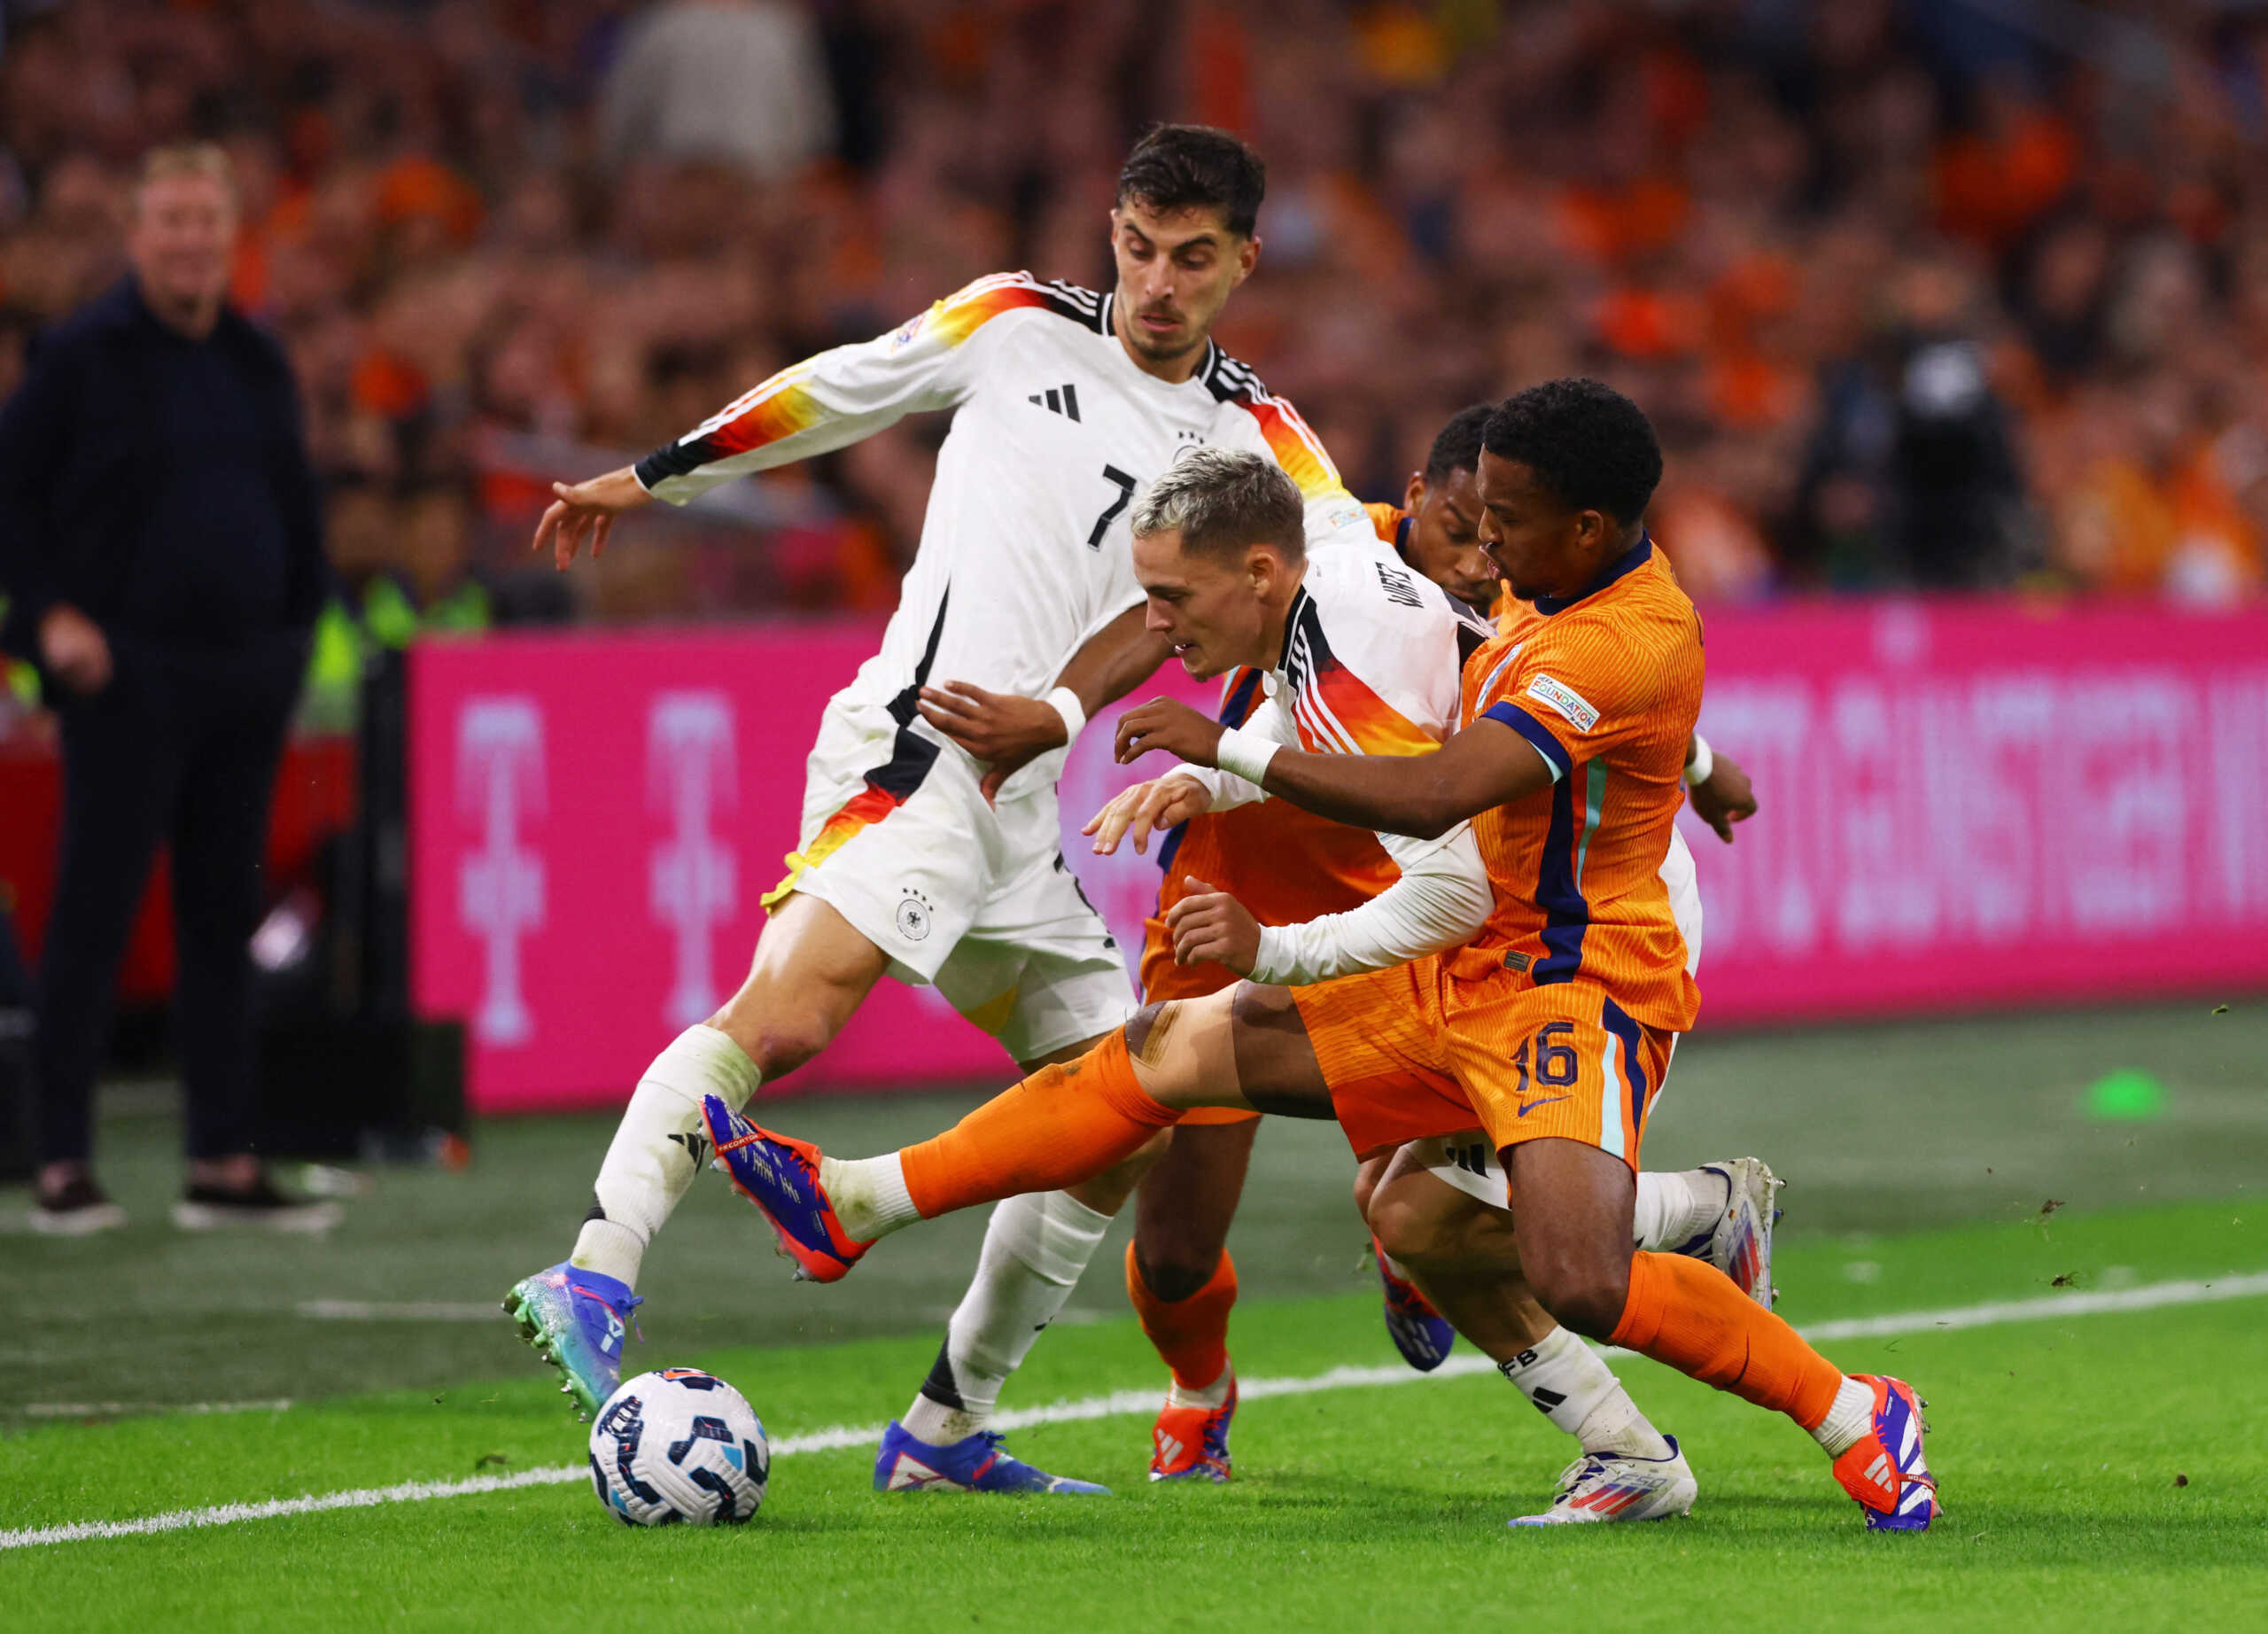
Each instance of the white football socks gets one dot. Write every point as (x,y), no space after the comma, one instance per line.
(659,1147)
(1674,1209)
(869,1195)
(1571,1385)
(1214,1395)
(1034,1249)
(1852,1416)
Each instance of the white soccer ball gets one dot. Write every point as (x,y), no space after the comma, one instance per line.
(679,1445)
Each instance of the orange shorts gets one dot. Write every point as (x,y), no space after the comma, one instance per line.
(1456,1039)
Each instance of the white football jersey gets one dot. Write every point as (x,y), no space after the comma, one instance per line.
(1026,549)
(1372,653)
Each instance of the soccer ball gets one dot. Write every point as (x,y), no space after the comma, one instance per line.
(679,1445)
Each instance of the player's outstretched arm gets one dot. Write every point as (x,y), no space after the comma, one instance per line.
(1425,796)
(587,510)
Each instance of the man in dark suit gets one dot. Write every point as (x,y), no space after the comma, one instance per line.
(160,549)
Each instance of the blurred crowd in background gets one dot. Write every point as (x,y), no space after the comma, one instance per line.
(1938,294)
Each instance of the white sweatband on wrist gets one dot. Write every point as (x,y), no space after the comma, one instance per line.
(1066,702)
(1245,755)
(1704,762)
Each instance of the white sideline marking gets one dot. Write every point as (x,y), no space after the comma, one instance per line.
(416,1310)
(1133,1403)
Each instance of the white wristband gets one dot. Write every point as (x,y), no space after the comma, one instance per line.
(1066,702)
(1246,754)
(1704,762)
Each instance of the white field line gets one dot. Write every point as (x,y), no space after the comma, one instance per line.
(1134,1403)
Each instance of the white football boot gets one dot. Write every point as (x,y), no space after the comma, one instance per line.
(1740,1243)
(1620,1486)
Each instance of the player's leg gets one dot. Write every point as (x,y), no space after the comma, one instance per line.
(1572,1201)
(1247,1047)
(892,863)
(1183,1284)
(1036,1247)
(1037,968)
(1463,1251)
(1423,1335)
(811,970)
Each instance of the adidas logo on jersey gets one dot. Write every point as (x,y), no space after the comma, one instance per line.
(1062,400)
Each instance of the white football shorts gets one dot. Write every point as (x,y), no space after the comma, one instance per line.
(1466,1160)
(972,898)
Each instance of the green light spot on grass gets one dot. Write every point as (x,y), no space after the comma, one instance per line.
(2125,1096)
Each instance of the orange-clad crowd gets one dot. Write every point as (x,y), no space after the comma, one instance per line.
(1919,294)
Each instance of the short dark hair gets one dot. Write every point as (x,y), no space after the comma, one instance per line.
(1458,446)
(1196,167)
(1222,500)
(1591,446)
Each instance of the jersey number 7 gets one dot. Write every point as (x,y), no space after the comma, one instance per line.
(1111,473)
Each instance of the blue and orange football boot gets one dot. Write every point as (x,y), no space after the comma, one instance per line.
(976,1463)
(781,1177)
(577,1320)
(1191,1443)
(1884,1469)
(1620,1486)
(1422,1333)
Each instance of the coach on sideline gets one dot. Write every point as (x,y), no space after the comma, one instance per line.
(160,550)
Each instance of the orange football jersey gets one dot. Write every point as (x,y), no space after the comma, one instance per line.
(1606,688)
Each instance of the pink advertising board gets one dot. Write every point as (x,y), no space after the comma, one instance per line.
(1964,805)
(592,820)
(1974,803)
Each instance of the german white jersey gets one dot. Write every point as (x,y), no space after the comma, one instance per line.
(1026,548)
(1372,652)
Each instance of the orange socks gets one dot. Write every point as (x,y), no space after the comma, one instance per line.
(1192,1334)
(1060,1126)
(1691,1316)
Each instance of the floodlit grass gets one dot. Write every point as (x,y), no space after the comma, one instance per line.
(2100,1471)
(2102,1466)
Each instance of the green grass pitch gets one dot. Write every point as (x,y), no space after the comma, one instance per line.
(2103,1468)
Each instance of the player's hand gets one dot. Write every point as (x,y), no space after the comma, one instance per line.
(1146,809)
(587,510)
(74,649)
(1726,798)
(998,729)
(1162,723)
(1209,924)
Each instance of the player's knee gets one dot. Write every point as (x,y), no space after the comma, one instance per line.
(1583,1292)
(779,1038)
(1407,1229)
(1366,1183)
(1146,1029)
(1176,1270)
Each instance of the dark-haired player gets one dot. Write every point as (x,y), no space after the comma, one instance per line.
(1551,1026)
(911,863)
(1285,865)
